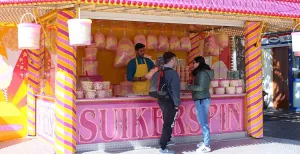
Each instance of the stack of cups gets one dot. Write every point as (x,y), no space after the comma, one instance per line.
(178,70)
(184,73)
(90,64)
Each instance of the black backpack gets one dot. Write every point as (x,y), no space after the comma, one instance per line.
(158,85)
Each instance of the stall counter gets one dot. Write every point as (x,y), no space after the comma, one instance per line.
(135,118)
(139,118)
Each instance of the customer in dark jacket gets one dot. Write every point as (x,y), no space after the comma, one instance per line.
(169,106)
(202,75)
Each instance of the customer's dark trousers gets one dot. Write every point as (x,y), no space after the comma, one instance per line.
(169,114)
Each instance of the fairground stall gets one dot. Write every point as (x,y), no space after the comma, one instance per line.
(78,96)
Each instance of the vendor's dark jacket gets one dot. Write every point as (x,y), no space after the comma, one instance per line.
(201,84)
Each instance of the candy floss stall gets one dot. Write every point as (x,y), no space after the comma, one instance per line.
(78,96)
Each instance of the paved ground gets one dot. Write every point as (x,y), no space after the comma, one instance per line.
(282,124)
(242,146)
(25,146)
(281,128)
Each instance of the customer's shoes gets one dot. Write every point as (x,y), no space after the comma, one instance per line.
(199,144)
(170,143)
(166,151)
(204,149)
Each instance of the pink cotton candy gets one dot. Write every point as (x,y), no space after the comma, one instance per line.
(211,47)
(99,40)
(111,43)
(152,42)
(163,43)
(185,43)
(125,52)
(140,38)
(174,43)
(223,39)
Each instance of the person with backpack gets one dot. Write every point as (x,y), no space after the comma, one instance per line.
(202,76)
(159,65)
(165,86)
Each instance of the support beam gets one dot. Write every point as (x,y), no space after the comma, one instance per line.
(194,52)
(35,64)
(65,87)
(254,78)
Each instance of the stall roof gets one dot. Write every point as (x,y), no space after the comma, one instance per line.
(271,8)
(278,15)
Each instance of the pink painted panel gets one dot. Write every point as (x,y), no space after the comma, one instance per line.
(142,119)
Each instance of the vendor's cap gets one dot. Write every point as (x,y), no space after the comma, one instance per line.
(168,56)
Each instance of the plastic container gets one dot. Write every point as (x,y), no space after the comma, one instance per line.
(214,83)
(126,88)
(101,93)
(230,90)
(234,83)
(241,83)
(87,85)
(79,32)
(224,83)
(220,90)
(239,90)
(117,90)
(90,53)
(29,34)
(90,94)
(106,85)
(91,67)
(108,93)
(98,85)
(79,94)
(211,90)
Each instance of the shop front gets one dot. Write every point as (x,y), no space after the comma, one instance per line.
(82,101)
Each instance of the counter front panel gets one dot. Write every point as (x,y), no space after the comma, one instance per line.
(119,119)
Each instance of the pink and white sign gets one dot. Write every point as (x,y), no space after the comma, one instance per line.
(132,120)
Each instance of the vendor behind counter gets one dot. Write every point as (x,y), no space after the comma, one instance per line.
(137,68)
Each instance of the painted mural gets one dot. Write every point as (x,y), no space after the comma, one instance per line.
(217,53)
(13,85)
